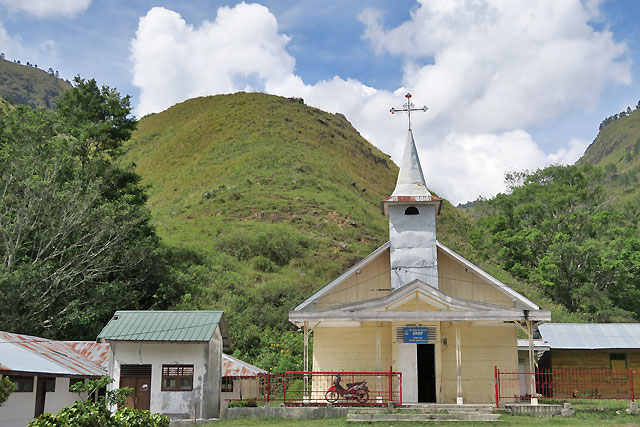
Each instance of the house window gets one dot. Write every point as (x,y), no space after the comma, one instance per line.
(618,361)
(411,210)
(23,384)
(227,384)
(177,377)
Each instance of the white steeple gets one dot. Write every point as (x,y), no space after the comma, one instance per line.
(412,214)
(411,181)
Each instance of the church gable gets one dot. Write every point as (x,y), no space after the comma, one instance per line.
(368,279)
(460,281)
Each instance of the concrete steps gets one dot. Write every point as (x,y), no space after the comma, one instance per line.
(368,418)
(424,412)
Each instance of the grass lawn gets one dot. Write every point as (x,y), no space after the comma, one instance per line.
(582,418)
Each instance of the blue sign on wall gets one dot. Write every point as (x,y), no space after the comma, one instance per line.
(418,335)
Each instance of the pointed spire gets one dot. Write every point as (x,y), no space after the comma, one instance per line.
(411,181)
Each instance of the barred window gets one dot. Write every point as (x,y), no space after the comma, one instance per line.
(177,377)
(227,384)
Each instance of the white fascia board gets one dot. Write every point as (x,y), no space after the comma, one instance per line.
(420,316)
(341,278)
(515,296)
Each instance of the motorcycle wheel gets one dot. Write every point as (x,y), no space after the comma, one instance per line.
(331,396)
(362,396)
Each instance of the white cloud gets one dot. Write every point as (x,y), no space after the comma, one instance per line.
(487,69)
(240,50)
(47,8)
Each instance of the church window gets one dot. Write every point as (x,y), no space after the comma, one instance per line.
(411,210)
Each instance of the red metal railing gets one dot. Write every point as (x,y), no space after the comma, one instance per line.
(295,388)
(566,384)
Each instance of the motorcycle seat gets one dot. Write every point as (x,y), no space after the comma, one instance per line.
(349,385)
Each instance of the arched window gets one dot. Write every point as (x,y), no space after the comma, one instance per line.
(411,210)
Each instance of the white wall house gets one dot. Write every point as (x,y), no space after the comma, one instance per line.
(42,371)
(172,360)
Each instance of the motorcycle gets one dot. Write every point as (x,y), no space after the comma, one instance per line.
(354,391)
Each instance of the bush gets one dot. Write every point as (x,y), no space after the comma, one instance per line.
(264,264)
(94,414)
(278,244)
(6,387)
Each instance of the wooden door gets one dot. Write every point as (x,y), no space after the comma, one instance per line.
(141,397)
(143,393)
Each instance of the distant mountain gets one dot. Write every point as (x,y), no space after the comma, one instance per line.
(27,85)
(616,149)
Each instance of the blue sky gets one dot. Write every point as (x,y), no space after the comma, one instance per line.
(510,85)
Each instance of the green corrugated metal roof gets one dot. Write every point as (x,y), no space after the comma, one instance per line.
(141,325)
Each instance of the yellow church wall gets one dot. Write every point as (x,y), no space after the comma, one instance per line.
(482,348)
(351,349)
(362,286)
(456,280)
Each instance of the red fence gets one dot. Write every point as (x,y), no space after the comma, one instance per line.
(312,388)
(567,384)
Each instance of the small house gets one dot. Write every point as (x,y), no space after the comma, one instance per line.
(42,371)
(239,379)
(172,360)
(613,346)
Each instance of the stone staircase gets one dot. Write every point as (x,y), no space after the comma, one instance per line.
(424,412)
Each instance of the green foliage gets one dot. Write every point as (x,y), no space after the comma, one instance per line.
(6,388)
(557,230)
(91,414)
(24,85)
(277,351)
(77,239)
(250,403)
(276,244)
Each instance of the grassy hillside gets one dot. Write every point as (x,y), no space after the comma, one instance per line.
(276,198)
(617,150)
(22,84)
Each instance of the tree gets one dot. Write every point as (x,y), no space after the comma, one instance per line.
(558,230)
(6,388)
(76,240)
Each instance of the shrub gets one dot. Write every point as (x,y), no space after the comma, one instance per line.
(264,264)
(6,387)
(90,414)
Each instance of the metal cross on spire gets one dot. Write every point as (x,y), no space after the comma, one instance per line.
(408,107)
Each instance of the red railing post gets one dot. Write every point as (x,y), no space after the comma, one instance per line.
(390,384)
(268,386)
(495,374)
(284,397)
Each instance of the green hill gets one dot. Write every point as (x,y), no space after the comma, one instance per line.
(276,198)
(26,85)
(617,150)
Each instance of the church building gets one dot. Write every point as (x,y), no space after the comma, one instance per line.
(417,306)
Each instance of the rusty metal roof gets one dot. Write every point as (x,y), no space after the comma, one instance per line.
(232,367)
(96,352)
(25,353)
(147,325)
